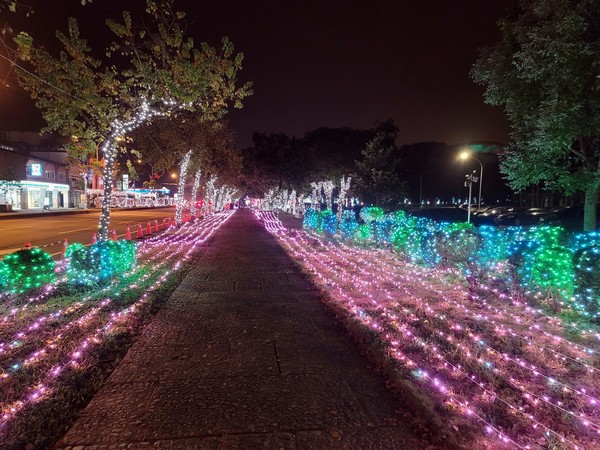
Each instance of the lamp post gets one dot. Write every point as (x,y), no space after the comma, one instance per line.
(464,155)
(470,179)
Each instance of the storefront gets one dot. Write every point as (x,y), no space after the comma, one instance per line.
(42,195)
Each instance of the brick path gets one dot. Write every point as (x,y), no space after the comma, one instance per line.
(243,355)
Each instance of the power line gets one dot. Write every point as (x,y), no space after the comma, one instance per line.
(45,82)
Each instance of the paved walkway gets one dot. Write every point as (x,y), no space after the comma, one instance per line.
(243,355)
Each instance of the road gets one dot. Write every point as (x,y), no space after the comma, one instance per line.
(45,229)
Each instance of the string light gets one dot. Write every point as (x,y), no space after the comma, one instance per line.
(48,346)
(448,337)
(185,162)
(195,187)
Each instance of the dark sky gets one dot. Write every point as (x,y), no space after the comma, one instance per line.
(333,63)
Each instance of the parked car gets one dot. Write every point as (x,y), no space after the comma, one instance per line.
(522,216)
(441,214)
(568,217)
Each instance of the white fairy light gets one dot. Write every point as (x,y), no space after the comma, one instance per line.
(181,186)
(344,187)
(195,192)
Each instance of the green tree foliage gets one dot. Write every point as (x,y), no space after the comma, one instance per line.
(274,160)
(544,72)
(293,163)
(151,62)
(163,145)
(376,180)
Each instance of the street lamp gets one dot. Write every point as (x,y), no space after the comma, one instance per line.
(464,155)
(470,179)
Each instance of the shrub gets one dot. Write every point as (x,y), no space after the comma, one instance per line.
(371,213)
(311,219)
(329,222)
(100,262)
(28,269)
(383,228)
(586,264)
(458,245)
(348,225)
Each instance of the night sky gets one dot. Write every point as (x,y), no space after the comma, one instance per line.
(329,63)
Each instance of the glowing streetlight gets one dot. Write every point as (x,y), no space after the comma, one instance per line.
(173,175)
(464,155)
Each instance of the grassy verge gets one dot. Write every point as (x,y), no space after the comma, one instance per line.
(41,426)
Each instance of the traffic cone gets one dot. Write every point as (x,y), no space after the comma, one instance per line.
(140,232)
(128,233)
(148,228)
(65,245)
(164,224)
(94,237)
(114,234)
(155,225)
(170,223)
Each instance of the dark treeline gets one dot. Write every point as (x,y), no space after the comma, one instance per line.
(427,170)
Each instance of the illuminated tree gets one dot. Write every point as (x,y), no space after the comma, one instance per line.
(151,70)
(544,72)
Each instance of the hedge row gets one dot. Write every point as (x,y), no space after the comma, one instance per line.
(539,261)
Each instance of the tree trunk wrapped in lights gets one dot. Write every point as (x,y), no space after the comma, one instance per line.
(328,189)
(195,193)
(316,195)
(109,149)
(293,202)
(181,187)
(209,195)
(344,187)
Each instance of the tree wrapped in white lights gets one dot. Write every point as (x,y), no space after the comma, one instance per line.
(229,195)
(209,195)
(185,162)
(151,69)
(195,187)
(293,202)
(316,195)
(328,189)
(344,187)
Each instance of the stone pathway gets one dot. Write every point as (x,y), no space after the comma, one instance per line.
(243,355)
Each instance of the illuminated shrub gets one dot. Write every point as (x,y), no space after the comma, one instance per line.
(401,234)
(311,219)
(458,245)
(348,225)
(420,242)
(550,269)
(329,222)
(364,232)
(371,213)
(586,262)
(493,248)
(383,228)
(3,270)
(28,269)
(81,269)
(100,262)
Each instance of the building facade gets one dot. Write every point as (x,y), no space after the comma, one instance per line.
(39,167)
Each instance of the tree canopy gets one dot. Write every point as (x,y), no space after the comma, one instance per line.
(545,72)
(163,145)
(376,179)
(150,69)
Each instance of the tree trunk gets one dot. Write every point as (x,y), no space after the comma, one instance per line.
(109,155)
(590,208)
